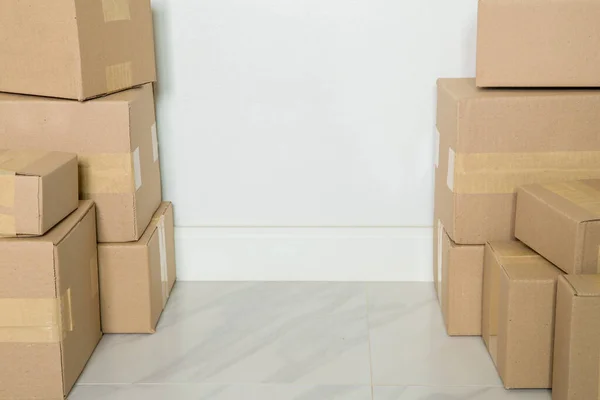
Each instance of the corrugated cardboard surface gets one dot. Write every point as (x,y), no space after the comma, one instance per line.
(458,272)
(39,189)
(492,141)
(527,43)
(47,285)
(136,278)
(577,338)
(75,49)
(113,138)
(561,221)
(518,314)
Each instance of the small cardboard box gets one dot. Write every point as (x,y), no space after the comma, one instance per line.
(561,221)
(519,290)
(458,276)
(75,49)
(493,141)
(136,278)
(577,339)
(543,43)
(49,308)
(116,143)
(38,189)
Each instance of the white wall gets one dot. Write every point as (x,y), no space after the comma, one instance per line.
(296,136)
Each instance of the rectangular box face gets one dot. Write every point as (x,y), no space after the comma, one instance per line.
(538,43)
(561,221)
(518,314)
(113,138)
(49,313)
(136,278)
(458,275)
(75,49)
(576,372)
(493,141)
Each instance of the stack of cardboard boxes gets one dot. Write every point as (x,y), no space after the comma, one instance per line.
(517,200)
(87,245)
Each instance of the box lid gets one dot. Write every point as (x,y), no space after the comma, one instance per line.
(32,162)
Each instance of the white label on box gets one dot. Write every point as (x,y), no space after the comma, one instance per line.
(154,142)
(164,272)
(437,148)
(440,233)
(137,169)
(450,179)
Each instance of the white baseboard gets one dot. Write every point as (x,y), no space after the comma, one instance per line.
(304,254)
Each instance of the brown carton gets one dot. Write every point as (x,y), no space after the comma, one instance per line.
(115,139)
(458,276)
(577,344)
(543,43)
(75,49)
(49,308)
(493,141)
(561,221)
(518,314)
(37,190)
(136,278)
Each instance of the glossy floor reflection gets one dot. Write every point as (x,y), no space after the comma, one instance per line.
(305,341)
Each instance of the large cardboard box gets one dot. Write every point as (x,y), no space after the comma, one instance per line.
(577,339)
(49,308)
(519,291)
(543,43)
(458,277)
(136,278)
(493,141)
(115,140)
(561,221)
(37,190)
(75,49)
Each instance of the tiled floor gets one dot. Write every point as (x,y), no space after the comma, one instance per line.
(304,341)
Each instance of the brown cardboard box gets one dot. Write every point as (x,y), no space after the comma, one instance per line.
(543,43)
(37,190)
(577,345)
(75,49)
(137,278)
(561,221)
(115,139)
(458,277)
(493,141)
(519,290)
(49,308)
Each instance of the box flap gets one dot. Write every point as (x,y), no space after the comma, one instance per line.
(580,200)
(584,285)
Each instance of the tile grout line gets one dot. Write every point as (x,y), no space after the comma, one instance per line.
(369,338)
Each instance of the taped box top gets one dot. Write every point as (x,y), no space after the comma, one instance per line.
(538,43)
(75,49)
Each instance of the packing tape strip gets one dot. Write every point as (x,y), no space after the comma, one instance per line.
(479,173)
(116,10)
(12,162)
(579,193)
(440,277)
(108,173)
(164,271)
(119,76)
(8,226)
(8,181)
(36,320)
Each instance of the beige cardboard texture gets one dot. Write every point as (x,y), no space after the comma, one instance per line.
(493,141)
(75,49)
(113,138)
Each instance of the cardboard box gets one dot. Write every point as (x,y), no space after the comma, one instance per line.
(458,277)
(519,290)
(493,141)
(116,143)
(561,221)
(137,278)
(75,49)
(49,308)
(37,190)
(543,43)
(577,338)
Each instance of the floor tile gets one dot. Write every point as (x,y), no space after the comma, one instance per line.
(409,345)
(219,392)
(457,393)
(305,333)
